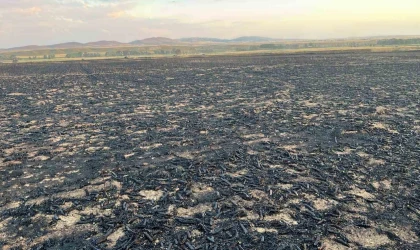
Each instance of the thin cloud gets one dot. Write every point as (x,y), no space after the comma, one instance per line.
(31,21)
(28,11)
(117,14)
(69,20)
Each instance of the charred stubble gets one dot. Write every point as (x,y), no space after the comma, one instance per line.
(263,152)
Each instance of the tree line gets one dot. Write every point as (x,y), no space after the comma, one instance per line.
(410,41)
(83,54)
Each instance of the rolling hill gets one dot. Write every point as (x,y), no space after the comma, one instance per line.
(154,41)
(190,40)
(66,45)
(252,39)
(103,44)
(203,39)
(147,41)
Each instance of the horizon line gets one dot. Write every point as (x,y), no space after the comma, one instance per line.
(229,39)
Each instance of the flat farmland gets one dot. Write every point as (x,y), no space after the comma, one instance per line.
(305,151)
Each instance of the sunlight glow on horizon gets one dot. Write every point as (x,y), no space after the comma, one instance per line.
(46,21)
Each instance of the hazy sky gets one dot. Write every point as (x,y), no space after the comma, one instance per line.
(24,22)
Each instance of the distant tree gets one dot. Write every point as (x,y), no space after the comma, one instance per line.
(45,57)
(267,46)
(399,41)
(74,55)
(87,54)
(241,49)
(13,58)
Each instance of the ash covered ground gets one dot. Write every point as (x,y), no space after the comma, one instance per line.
(259,152)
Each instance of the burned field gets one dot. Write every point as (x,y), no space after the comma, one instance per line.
(264,152)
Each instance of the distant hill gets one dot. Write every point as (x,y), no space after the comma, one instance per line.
(243,39)
(252,39)
(168,41)
(186,40)
(154,41)
(202,39)
(69,45)
(28,47)
(103,44)
(147,41)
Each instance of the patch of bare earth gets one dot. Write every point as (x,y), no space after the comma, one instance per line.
(367,237)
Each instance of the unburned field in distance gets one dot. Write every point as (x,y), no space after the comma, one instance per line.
(303,151)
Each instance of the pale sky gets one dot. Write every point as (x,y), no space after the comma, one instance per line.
(42,22)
